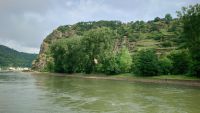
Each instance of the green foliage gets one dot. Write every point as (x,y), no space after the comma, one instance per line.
(157,19)
(50,66)
(124,60)
(116,63)
(10,57)
(77,54)
(180,61)
(110,65)
(72,59)
(191,19)
(146,63)
(156,35)
(95,44)
(168,18)
(167,44)
(58,53)
(66,55)
(91,53)
(63,28)
(165,65)
(103,47)
(82,27)
(138,26)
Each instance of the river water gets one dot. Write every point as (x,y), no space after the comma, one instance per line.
(28,93)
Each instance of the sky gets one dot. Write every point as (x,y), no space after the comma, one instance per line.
(25,23)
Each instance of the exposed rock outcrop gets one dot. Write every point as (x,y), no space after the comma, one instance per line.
(136,36)
(41,61)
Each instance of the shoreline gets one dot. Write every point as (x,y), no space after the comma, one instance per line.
(185,82)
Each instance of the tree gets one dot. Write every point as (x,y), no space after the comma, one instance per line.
(180,61)
(72,59)
(66,55)
(115,63)
(190,17)
(109,64)
(95,44)
(157,19)
(146,63)
(165,65)
(58,54)
(124,60)
(168,18)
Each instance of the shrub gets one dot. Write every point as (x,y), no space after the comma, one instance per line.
(165,65)
(65,55)
(190,17)
(58,54)
(95,44)
(110,65)
(115,63)
(124,60)
(146,63)
(180,61)
(167,44)
(50,66)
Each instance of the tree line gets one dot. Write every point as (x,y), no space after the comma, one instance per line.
(93,48)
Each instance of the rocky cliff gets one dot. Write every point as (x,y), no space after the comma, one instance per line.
(158,34)
(40,62)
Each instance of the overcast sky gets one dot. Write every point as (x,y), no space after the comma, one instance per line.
(25,23)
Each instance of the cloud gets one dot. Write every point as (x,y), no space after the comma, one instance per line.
(25,23)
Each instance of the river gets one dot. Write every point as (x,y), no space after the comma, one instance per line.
(29,93)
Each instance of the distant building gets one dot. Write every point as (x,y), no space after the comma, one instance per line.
(18,69)
(11,69)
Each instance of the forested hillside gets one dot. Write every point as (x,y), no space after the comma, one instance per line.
(145,48)
(162,34)
(10,57)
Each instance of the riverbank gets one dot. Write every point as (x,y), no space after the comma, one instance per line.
(163,79)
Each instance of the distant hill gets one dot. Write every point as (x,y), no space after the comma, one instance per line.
(11,57)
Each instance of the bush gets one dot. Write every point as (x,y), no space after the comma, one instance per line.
(180,61)
(165,65)
(50,66)
(65,55)
(156,35)
(157,19)
(146,63)
(190,17)
(167,44)
(115,63)
(95,44)
(58,54)
(110,65)
(124,60)
(195,68)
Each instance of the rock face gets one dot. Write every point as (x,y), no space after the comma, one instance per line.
(41,61)
(154,35)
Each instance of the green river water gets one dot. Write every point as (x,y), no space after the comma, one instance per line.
(26,93)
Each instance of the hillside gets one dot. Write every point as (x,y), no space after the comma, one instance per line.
(162,34)
(11,57)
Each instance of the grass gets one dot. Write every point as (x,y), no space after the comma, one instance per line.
(130,76)
(175,77)
(171,77)
(147,42)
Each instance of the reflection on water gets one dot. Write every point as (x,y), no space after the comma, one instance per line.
(25,93)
